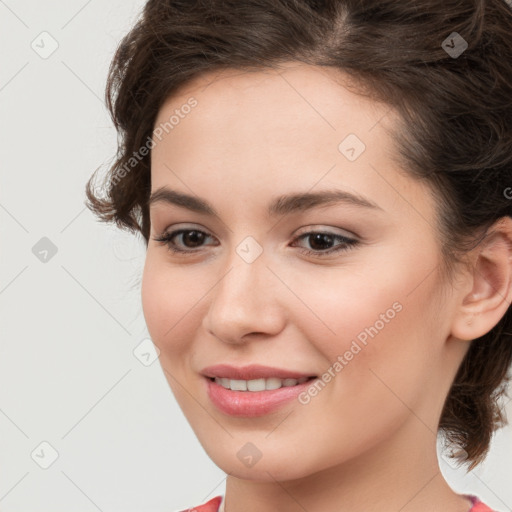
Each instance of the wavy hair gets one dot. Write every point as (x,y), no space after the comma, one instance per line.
(455,111)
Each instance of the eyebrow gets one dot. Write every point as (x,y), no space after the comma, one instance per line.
(281,205)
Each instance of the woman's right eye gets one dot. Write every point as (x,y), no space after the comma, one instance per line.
(194,236)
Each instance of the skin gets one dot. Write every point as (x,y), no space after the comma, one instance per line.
(367,441)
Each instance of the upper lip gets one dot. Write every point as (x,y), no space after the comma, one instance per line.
(250,372)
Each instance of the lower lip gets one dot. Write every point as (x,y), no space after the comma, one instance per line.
(248,404)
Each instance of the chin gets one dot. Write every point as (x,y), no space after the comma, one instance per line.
(272,466)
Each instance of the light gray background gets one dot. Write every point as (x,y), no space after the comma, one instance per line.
(69,326)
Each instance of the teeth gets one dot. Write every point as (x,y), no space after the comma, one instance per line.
(258,384)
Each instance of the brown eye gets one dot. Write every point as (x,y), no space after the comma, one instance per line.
(190,239)
(318,241)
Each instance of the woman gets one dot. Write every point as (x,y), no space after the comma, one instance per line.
(323,188)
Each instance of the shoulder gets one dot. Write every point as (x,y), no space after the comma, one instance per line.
(478,505)
(212,505)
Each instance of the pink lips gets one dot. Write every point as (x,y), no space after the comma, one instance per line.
(251,403)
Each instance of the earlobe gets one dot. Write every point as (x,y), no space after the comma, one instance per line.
(491,284)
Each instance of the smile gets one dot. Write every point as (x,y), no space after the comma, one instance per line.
(258,384)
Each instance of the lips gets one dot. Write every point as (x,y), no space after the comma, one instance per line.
(251,372)
(250,404)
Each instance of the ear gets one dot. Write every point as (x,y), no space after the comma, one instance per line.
(490,284)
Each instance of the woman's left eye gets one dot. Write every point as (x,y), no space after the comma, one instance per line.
(317,238)
(321,237)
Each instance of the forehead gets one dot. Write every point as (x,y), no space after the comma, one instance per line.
(269,129)
(294,116)
(273,98)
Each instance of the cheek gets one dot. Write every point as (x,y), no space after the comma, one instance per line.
(344,307)
(169,301)
(379,320)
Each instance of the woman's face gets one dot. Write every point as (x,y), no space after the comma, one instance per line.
(371,322)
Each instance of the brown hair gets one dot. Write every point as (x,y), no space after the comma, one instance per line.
(455,110)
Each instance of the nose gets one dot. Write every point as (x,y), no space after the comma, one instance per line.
(245,301)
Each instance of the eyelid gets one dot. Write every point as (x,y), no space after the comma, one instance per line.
(322,227)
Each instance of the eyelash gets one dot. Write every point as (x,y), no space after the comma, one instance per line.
(347,243)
